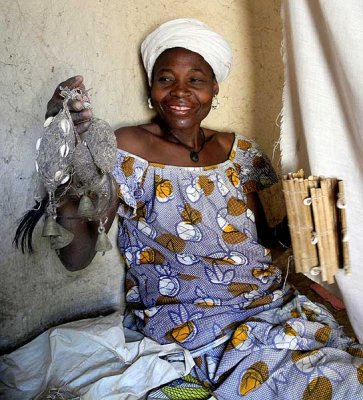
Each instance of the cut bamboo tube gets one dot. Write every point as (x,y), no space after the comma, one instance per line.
(299,224)
(312,254)
(303,228)
(343,225)
(299,244)
(325,229)
(330,239)
(288,188)
(313,182)
(318,213)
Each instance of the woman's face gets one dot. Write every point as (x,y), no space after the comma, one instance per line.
(182,88)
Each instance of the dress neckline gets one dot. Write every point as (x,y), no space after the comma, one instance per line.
(230,158)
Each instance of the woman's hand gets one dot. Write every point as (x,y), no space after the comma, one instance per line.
(81,115)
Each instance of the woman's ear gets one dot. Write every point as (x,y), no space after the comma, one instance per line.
(215,88)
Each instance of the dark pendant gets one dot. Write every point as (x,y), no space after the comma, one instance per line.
(194,156)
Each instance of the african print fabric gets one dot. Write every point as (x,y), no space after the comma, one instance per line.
(197,275)
(295,352)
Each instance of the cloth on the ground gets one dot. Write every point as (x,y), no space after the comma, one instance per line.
(94,358)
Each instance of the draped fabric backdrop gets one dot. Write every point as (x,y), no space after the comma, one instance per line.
(322,120)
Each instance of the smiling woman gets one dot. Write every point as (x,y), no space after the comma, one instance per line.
(182,91)
(183,87)
(190,231)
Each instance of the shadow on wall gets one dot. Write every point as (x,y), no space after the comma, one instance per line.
(301,145)
(266,73)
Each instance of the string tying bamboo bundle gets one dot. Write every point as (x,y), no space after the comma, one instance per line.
(317,223)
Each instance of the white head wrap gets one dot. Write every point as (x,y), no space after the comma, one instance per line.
(192,35)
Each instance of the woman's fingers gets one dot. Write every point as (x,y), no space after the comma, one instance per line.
(81,116)
(82,127)
(72,83)
(75,105)
(79,107)
(79,103)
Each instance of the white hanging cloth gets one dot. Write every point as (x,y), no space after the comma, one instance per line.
(322,119)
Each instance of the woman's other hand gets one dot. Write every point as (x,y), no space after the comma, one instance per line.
(81,115)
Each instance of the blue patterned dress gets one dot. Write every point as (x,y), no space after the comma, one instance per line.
(197,275)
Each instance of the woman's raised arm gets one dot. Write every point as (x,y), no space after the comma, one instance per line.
(87,158)
(80,252)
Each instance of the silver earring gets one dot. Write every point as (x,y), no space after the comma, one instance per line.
(215,102)
(149,103)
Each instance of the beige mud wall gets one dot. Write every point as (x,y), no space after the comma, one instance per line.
(44,42)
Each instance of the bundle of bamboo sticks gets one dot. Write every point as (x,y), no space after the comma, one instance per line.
(317,223)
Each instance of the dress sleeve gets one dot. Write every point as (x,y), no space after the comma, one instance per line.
(253,166)
(129,173)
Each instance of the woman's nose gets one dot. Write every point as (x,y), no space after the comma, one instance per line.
(180,89)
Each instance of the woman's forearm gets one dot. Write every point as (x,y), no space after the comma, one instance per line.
(81,251)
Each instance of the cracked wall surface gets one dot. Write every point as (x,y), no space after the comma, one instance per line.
(45,42)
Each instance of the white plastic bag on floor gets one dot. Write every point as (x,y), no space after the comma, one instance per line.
(95,359)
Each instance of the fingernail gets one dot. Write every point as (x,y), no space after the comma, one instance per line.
(78,106)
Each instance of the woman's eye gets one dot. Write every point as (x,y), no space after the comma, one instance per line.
(165,79)
(196,80)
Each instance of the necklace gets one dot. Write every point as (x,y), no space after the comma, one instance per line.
(193,154)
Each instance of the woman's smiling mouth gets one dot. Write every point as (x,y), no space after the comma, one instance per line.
(180,108)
